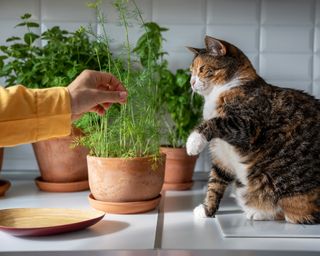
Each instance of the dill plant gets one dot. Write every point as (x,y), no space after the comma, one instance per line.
(132,129)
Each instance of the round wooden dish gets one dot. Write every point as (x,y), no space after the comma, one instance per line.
(62,186)
(177,186)
(125,207)
(46,221)
(4,186)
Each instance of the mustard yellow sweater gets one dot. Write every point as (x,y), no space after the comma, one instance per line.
(30,115)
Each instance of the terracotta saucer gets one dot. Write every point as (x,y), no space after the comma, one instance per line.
(4,186)
(177,186)
(126,207)
(62,186)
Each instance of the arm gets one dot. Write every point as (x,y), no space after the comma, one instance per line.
(235,130)
(29,115)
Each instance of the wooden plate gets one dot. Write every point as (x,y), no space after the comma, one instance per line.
(125,207)
(4,186)
(61,186)
(46,221)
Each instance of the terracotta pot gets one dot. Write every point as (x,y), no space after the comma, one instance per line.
(179,167)
(125,180)
(1,158)
(58,162)
(4,184)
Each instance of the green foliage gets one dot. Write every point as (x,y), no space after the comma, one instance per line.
(62,57)
(175,95)
(149,45)
(128,130)
(132,129)
(184,107)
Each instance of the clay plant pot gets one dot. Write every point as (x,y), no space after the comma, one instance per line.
(4,184)
(179,169)
(62,168)
(125,185)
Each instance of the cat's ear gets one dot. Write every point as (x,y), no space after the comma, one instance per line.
(196,51)
(214,46)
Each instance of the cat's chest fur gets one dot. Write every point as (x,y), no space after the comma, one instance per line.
(211,100)
(222,151)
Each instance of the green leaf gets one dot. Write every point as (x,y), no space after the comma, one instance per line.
(22,24)
(30,37)
(13,38)
(182,79)
(26,16)
(32,25)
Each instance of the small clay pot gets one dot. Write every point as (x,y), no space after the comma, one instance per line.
(126,179)
(59,162)
(179,168)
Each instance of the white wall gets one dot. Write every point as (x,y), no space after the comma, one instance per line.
(281,37)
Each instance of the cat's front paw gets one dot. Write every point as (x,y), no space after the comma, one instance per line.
(196,143)
(201,211)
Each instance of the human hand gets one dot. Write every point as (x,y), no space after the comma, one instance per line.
(94,91)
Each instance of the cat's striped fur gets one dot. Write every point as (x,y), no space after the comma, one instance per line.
(264,138)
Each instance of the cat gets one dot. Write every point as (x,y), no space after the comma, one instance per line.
(264,138)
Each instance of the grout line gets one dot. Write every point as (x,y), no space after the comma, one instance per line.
(206,17)
(40,21)
(96,21)
(160,223)
(259,36)
(313,46)
(151,11)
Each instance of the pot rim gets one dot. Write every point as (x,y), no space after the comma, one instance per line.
(161,155)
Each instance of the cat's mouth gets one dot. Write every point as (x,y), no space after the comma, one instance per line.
(202,89)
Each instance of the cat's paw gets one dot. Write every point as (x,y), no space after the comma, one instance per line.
(196,143)
(200,212)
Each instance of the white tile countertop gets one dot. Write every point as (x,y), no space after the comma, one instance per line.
(169,230)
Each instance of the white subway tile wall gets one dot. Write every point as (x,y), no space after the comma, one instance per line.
(281,38)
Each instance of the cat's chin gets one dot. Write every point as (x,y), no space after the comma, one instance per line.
(203,91)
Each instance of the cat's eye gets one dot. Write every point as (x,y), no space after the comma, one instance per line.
(201,69)
(191,68)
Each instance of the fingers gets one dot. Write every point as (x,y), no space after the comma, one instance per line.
(108,81)
(99,110)
(106,105)
(106,97)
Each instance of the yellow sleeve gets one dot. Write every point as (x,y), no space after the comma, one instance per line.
(30,115)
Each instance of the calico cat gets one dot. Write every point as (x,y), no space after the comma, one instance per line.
(264,138)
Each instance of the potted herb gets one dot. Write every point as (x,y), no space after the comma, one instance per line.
(61,58)
(126,169)
(183,111)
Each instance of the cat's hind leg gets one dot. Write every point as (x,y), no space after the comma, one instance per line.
(218,181)
(255,214)
(254,208)
(302,209)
